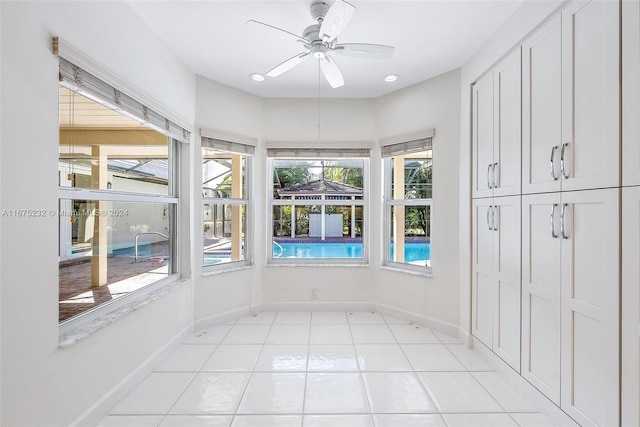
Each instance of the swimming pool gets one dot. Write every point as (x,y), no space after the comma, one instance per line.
(412,251)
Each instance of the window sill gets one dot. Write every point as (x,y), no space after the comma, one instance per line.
(317,264)
(214,271)
(83,326)
(398,269)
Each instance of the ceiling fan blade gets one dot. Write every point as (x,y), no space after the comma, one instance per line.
(331,72)
(336,20)
(288,64)
(364,50)
(275,30)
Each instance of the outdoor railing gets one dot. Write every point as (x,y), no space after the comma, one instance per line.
(281,250)
(147,232)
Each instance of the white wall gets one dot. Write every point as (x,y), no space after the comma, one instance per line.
(43,384)
(434,103)
(233,112)
(341,122)
(522,22)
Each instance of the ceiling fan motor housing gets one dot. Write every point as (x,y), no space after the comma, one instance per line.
(319,10)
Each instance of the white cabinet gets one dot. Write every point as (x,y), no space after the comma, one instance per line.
(568,107)
(590,150)
(590,314)
(631,306)
(630,92)
(507,105)
(482,136)
(571,99)
(541,284)
(570,301)
(631,213)
(542,109)
(496,276)
(496,129)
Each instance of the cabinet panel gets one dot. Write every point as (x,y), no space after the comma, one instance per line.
(591,95)
(542,109)
(630,92)
(541,275)
(482,136)
(507,77)
(631,306)
(506,279)
(496,276)
(590,306)
(482,261)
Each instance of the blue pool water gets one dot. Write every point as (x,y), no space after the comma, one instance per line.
(412,251)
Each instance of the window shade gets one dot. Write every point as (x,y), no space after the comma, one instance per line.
(318,152)
(231,147)
(408,147)
(86,84)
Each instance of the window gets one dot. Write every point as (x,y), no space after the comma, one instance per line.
(408,195)
(318,205)
(117,170)
(225,202)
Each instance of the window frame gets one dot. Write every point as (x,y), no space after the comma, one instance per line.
(173,127)
(278,152)
(406,146)
(246,149)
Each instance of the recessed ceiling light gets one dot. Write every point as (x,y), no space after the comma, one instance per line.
(257,77)
(390,78)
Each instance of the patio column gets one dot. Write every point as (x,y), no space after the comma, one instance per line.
(398,211)
(353,219)
(293,218)
(236,210)
(99,241)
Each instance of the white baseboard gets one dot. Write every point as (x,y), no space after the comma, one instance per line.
(512,377)
(100,409)
(315,306)
(431,323)
(435,324)
(221,318)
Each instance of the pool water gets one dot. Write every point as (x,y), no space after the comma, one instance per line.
(412,251)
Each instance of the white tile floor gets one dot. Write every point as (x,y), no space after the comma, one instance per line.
(316,369)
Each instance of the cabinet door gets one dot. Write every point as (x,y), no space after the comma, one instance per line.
(591,95)
(506,279)
(482,262)
(630,92)
(482,136)
(590,306)
(541,275)
(507,114)
(631,306)
(542,109)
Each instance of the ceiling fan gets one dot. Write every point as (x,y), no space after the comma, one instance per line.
(320,41)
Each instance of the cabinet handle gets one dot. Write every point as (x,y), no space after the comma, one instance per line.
(562,230)
(489,175)
(562,170)
(552,222)
(553,169)
(488,220)
(495,181)
(493,218)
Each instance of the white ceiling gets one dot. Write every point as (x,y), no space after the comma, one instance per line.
(431,37)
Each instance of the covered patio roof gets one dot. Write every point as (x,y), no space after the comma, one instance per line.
(321,187)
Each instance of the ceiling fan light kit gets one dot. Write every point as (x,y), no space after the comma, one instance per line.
(320,40)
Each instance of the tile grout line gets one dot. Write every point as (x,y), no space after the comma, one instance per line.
(237,405)
(195,374)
